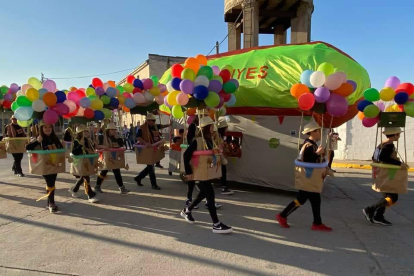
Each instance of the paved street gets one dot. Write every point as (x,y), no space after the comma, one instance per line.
(143,234)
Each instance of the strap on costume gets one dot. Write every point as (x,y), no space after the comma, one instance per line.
(50,190)
(87,187)
(297,204)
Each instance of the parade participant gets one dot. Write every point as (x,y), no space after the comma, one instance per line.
(205,187)
(175,154)
(83,145)
(47,140)
(69,133)
(13,130)
(333,146)
(148,134)
(310,153)
(127,141)
(222,128)
(108,140)
(385,153)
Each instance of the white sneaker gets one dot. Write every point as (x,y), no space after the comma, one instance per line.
(93,200)
(74,194)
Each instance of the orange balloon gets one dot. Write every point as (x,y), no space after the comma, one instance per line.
(201,59)
(124,108)
(50,99)
(344,90)
(211,113)
(111,84)
(73,89)
(165,93)
(361,115)
(191,111)
(298,90)
(192,63)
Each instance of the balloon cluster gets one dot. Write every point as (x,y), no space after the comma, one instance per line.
(141,92)
(398,95)
(8,95)
(197,85)
(324,87)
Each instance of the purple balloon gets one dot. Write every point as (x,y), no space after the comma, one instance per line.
(354,84)
(99,91)
(166,103)
(162,87)
(14,88)
(215,86)
(337,105)
(322,94)
(187,86)
(392,82)
(221,102)
(236,82)
(216,70)
(8,97)
(381,106)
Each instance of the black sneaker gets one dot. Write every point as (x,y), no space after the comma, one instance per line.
(98,189)
(188,217)
(369,214)
(169,173)
(155,187)
(159,166)
(183,178)
(382,221)
(53,208)
(226,191)
(138,180)
(221,228)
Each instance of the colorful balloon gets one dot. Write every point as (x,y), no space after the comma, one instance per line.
(35,83)
(192,63)
(206,71)
(346,89)
(401,98)
(387,94)
(130,79)
(337,105)
(182,98)
(392,82)
(405,87)
(172,98)
(216,70)
(225,75)
(371,111)
(298,90)
(317,79)
(409,108)
(229,87)
(326,68)
(201,59)
(322,94)
(175,83)
(371,94)
(201,80)
(96,82)
(369,122)
(96,104)
(176,70)
(188,74)
(38,106)
(306,101)
(187,86)
(88,113)
(111,92)
(155,80)
(212,100)
(50,85)
(155,91)
(231,101)
(139,98)
(23,101)
(60,96)
(32,94)
(200,92)
(215,86)
(305,77)
(177,112)
(50,117)
(130,103)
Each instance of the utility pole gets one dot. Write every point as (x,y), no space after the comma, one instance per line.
(217,47)
(42,78)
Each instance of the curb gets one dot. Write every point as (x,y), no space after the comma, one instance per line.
(357,166)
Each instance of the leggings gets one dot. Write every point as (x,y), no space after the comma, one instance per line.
(206,192)
(50,190)
(149,170)
(117,174)
(190,189)
(388,200)
(17,164)
(86,180)
(223,179)
(331,157)
(302,197)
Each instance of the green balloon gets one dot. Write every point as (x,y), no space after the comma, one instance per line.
(105,99)
(409,109)
(14,106)
(217,78)
(23,101)
(4,89)
(106,112)
(372,94)
(155,80)
(326,68)
(120,89)
(371,111)
(229,87)
(177,112)
(212,100)
(206,71)
(92,97)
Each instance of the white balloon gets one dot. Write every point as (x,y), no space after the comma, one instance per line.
(148,97)
(343,76)
(139,98)
(38,106)
(169,86)
(201,80)
(317,79)
(20,93)
(333,81)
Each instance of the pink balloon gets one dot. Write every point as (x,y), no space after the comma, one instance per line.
(25,87)
(81,112)
(333,81)
(190,119)
(75,97)
(71,105)
(61,109)
(182,99)
(216,70)
(50,117)
(337,105)
(128,95)
(381,106)
(147,83)
(392,82)
(369,122)
(50,85)
(162,87)
(159,99)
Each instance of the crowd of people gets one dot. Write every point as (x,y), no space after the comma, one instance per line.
(202,134)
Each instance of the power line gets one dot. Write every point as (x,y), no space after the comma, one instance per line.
(90,76)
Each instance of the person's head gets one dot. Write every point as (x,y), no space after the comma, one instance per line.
(151,119)
(13,120)
(392,133)
(313,130)
(46,130)
(177,140)
(125,126)
(98,125)
(130,125)
(82,132)
(181,132)
(111,130)
(207,127)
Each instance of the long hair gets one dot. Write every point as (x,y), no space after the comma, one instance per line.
(222,132)
(206,132)
(52,137)
(107,138)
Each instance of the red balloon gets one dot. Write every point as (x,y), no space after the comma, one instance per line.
(96,82)
(405,87)
(88,113)
(226,97)
(7,104)
(225,75)
(136,90)
(70,115)
(81,93)
(130,79)
(306,101)
(176,70)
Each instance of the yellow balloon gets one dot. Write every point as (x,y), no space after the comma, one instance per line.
(155,91)
(172,98)
(24,123)
(32,94)
(393,108)
(188,74)
(96,104)
(90,91)
(34,82)
(121,99)
(387,94)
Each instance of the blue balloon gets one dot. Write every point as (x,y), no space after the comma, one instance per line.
(114,103)
(43,91)
(138,84)
(362,104)
(305,78)
(23,113)
(200,92)
(85,102)
(175,83)
(111,92)
(401,97)
(232,101)
(130,103)
(99,115)
(61,96)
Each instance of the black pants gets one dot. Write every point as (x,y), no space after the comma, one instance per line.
(127,142)
(206,192)
(117,174)
(190,189)
(302,197)
(50,182)
(331,157)
(380,206)
(86,180)
(17,164)
(149,170)
(223,179)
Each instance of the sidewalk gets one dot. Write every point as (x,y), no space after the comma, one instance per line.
(360,164)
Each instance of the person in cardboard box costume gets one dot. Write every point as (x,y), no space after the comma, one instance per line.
(13,130)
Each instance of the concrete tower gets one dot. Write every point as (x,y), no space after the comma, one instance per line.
(254,17)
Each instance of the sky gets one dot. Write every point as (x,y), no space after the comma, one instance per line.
(64,39)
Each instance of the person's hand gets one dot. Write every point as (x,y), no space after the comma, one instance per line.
(190,177)
(320,150)
(40,138)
